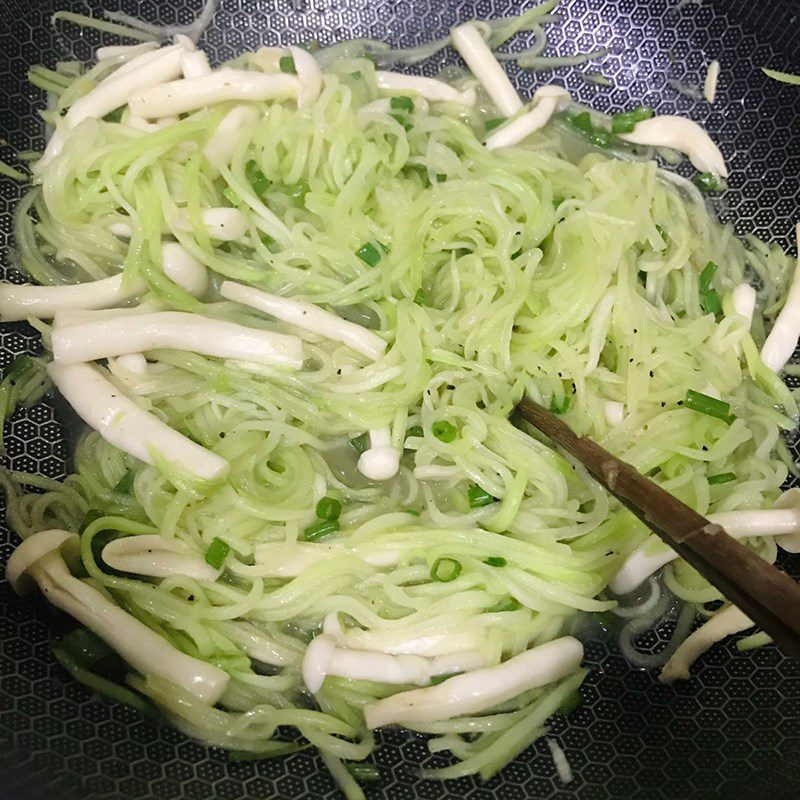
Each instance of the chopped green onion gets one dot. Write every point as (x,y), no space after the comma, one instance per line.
(230,195)
(491,124)
(479,497)
(287,65)
(217,553)
(329,508)
(369,254)
(783,77)
(18,367)
(445,569)
(706,182)
(663,232)
(495,561)
(256,178)
(723,477)
(125,484)
(437,679)
(444,431)
(361,443)
(315,533)
(702,403)
(441,177)
(626,121)
(419,297)
(582,121)
(555,408)
(710,302)
(600,138)
(415,430)
(401,118)
(402,103)
(364,773)
(707,275)
(709,298)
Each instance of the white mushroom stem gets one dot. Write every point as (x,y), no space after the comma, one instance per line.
(381,461)
(39,560)
(309,76)
(219,148)
(308,317)
(429,88)
(43,302)
(782,522)
(106,336)
(223,224)
(614,412)
(177,97)
(546,101)
(195,64)
(782,339)
(129,369)
(288,561)
(157,557)
(146,70)
(422,643)
(133,362)
(683,135)
(471,46)
(481,689)
(183,268)
(710,85)
(323,658)
(724,623)
(744,301)
(121,422)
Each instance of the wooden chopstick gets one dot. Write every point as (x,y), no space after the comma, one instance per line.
(768,596)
